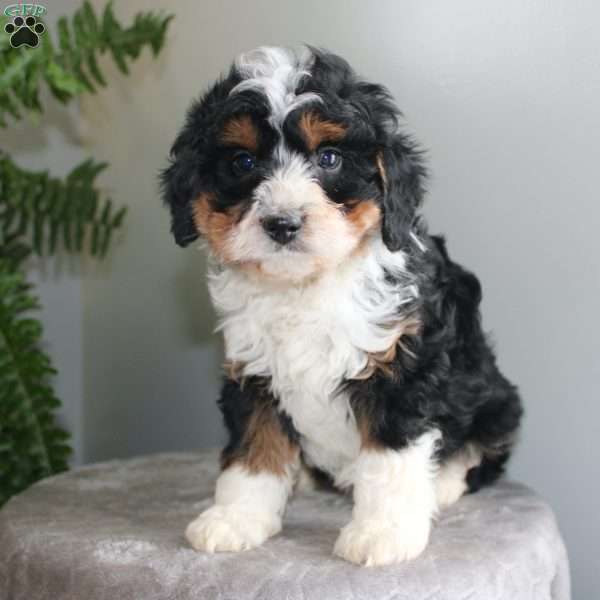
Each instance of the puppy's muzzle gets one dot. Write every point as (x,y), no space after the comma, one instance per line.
(282,228)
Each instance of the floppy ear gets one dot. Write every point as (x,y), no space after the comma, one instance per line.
(178,186)
(402,177)
(189,172)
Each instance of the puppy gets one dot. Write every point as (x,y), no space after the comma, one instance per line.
(353,342)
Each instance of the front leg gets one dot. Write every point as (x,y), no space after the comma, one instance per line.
(394,503)
(259,466)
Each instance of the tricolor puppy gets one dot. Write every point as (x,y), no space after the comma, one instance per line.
(353,342)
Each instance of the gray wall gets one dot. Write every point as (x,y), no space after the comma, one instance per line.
(506,97)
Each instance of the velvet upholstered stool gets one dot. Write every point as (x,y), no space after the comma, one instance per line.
(114,531)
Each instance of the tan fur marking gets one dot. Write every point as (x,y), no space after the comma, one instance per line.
(233,370)
(213,225)
(265,446)
(367,442)
(240,132)
(381,361)
(364,216)
(270,448)
(382,172)
(316,130)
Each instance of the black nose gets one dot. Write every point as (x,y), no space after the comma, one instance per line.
(282,229)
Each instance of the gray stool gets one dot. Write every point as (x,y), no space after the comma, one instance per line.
(114,531)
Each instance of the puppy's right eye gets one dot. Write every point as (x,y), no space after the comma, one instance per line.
(244,162)
(329,158)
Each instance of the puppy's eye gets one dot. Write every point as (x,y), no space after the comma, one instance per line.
(244,162)
(329,159)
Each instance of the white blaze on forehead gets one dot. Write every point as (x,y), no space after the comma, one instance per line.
(276,72)
(290,188)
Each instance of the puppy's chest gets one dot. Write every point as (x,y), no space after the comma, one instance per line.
(306,353)
(307,340)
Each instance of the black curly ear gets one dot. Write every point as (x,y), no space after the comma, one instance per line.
(402,177)
(178,192)
(189,173)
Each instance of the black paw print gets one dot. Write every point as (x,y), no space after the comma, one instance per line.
(24,32)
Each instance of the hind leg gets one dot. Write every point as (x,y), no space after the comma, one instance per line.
(451,480)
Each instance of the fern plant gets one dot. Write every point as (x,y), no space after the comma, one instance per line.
(41,214)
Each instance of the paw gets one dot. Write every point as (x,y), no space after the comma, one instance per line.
(230,529)
(375,543)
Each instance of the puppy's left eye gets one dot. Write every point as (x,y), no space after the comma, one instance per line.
(244,162)
(329,159)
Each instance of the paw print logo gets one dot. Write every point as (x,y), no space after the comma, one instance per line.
(24,32)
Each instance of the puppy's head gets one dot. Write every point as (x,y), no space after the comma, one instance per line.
(290,164)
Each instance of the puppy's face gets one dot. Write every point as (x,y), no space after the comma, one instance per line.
(290,164)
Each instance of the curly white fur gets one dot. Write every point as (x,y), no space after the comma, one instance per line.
(276,72)
(309,338)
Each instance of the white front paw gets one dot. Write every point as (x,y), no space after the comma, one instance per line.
(375,543)
(227,528)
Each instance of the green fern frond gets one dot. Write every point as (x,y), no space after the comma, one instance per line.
(39,212)
(70,66)
(32,446)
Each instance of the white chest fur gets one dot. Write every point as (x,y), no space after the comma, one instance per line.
(308,339)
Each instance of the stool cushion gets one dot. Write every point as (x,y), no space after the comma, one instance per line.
(115,531)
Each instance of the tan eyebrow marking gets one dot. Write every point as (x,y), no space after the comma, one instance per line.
(240,132)
(317,130)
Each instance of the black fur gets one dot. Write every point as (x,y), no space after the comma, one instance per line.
(369,111)
(448,379)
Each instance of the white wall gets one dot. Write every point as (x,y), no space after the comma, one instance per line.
(506,97)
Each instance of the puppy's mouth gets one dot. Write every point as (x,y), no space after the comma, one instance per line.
(293,247)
